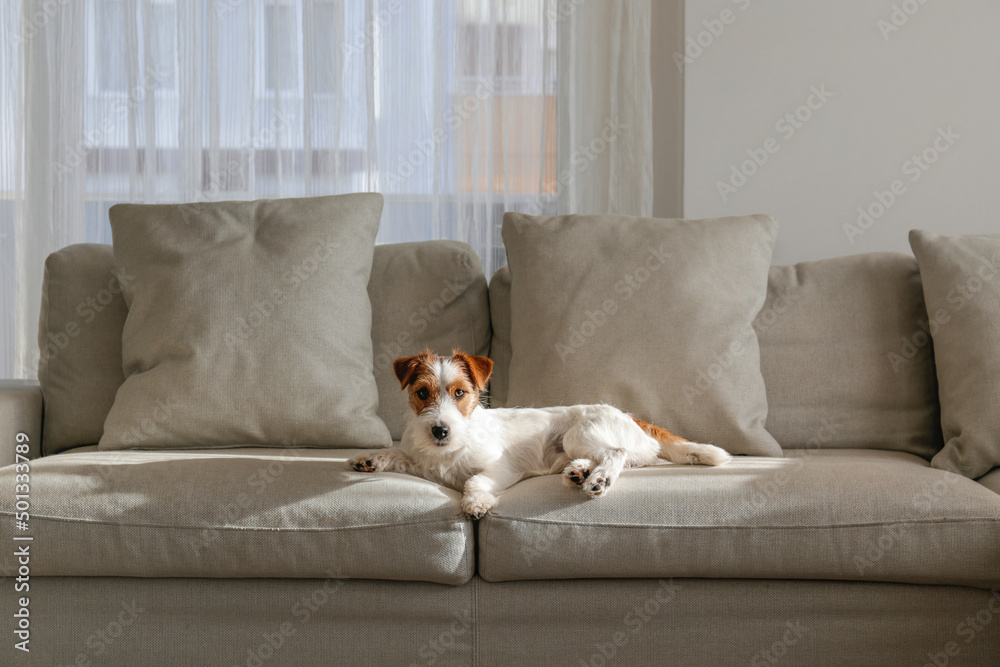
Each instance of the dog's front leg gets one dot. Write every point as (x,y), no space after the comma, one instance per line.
(481,491)
(383,460)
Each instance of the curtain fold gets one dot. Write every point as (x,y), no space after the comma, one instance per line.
(606,109)
(455,110)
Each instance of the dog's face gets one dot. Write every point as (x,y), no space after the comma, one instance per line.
(443,392)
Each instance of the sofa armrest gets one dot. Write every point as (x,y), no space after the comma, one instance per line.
(991,480)
(20,412)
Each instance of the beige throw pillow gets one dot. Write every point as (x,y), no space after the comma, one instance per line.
(249,323)
(652,316)
(961,279)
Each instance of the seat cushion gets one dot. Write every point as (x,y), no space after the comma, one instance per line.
(236,513)
(862,515)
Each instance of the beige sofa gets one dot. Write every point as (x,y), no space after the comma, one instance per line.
(850,550)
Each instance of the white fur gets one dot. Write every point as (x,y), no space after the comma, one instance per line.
(493,449)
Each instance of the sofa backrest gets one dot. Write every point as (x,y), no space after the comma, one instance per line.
(844,353)
(427,294)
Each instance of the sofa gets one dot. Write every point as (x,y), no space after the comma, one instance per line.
(850,549)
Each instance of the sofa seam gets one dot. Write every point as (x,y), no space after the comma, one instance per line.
(445,521)
(670,527)
(475,620)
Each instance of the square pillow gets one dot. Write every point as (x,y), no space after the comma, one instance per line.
(652,316)
(961,279)
(249,323)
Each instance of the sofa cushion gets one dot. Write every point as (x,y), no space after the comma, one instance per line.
(249,324)
(430,293)
(846,357)
(80,344)
(236,513)
(500,348)
(652,316)
(425,294)
(991,480)
(817,514)
(961,279)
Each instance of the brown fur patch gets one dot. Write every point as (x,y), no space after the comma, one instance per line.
(658,433)
(470,398)
(407,368)
(477,368)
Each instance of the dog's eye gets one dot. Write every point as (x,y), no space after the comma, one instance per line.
(459,393)
(423,394)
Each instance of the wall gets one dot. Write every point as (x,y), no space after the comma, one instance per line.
(667,37)
(813,110)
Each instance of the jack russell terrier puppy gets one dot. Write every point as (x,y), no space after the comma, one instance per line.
(454,441)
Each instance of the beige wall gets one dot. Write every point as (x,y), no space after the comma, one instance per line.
(877,136)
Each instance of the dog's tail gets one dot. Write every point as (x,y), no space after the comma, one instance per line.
(676,449)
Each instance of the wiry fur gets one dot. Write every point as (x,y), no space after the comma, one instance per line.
(486,451)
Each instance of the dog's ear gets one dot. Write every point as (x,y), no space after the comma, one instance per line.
(406,368)
(478,368)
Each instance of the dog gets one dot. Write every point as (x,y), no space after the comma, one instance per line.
(480,452)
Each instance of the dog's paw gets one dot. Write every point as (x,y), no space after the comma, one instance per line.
(577,472)
(478,506)
(597,485)
(370,462)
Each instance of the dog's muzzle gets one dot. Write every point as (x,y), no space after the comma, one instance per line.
(440,432)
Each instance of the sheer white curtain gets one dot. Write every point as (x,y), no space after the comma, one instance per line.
(456,110)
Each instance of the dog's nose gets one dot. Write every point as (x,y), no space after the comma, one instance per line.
(439,432)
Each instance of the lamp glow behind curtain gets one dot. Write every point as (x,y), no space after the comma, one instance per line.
(455,110)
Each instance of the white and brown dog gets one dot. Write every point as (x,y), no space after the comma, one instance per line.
(454,441)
